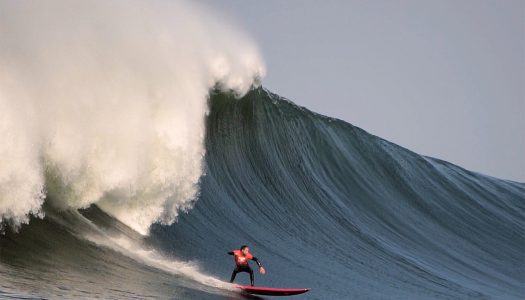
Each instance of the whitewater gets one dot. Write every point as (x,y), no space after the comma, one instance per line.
(139,147)
(104,100)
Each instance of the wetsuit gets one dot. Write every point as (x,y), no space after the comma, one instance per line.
(241,262)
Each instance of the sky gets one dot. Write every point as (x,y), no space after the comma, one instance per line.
(442,78)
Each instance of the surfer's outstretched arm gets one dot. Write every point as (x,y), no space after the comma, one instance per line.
(230,253)
(257,261)
(261,268)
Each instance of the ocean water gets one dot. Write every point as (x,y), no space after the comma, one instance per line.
(139,147)
(321,203)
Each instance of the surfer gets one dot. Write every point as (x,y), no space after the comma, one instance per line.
(241,258)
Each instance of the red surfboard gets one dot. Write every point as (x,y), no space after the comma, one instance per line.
(258,290)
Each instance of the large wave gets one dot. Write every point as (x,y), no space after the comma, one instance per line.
(109,126)
(329,206)
(104,102)
(322,204)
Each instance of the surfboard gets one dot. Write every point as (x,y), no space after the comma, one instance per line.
(268,291)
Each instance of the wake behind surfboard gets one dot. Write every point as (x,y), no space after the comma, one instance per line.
(267,291)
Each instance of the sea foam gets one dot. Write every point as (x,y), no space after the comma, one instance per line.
(104,102)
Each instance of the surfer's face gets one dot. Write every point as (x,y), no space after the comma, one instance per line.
(245,250)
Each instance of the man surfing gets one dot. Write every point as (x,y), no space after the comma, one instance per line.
(241,258)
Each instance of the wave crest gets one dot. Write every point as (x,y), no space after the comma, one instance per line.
(104,102)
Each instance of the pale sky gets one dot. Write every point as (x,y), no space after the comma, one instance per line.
(442,78)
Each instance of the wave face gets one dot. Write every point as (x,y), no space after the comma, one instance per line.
(321,203)
(326,205)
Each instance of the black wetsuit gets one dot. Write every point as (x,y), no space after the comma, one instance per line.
(244,268)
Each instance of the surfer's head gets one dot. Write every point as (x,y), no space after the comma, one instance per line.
(244,249)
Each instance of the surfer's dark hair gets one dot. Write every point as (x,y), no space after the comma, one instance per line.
(244,246)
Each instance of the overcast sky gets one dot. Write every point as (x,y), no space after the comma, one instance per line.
(442,78)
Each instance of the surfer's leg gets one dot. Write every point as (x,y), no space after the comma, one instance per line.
(251,275)
(234,273)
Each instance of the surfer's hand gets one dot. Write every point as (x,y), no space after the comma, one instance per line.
(262,270)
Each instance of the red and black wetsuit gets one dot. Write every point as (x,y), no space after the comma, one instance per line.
(241,263)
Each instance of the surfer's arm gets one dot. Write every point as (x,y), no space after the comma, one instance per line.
(261,268)
(257,261)
(230,253)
